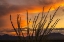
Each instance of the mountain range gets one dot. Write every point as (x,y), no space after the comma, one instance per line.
(52,36)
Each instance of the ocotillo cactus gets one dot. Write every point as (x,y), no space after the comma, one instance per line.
(37,27)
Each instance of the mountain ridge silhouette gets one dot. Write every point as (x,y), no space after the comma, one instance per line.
(51,36)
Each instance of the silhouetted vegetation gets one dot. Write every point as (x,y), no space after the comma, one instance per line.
(39,33)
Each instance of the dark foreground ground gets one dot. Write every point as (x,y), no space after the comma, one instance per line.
(31,41)
(53,37)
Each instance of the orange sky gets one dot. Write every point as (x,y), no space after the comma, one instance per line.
(38,9)
(32,10)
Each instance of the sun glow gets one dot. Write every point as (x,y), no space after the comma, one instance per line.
(39,9)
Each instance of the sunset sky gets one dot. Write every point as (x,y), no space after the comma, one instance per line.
(34,7)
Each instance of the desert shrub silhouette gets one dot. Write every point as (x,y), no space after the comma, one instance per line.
(39,33)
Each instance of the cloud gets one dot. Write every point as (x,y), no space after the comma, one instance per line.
(2,22)
(5,10)
(11,6)
(17,6)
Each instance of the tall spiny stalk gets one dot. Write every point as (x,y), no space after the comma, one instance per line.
(50,21)
(37,28)
(13,25)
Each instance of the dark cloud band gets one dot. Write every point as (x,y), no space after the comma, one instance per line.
(7,6)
